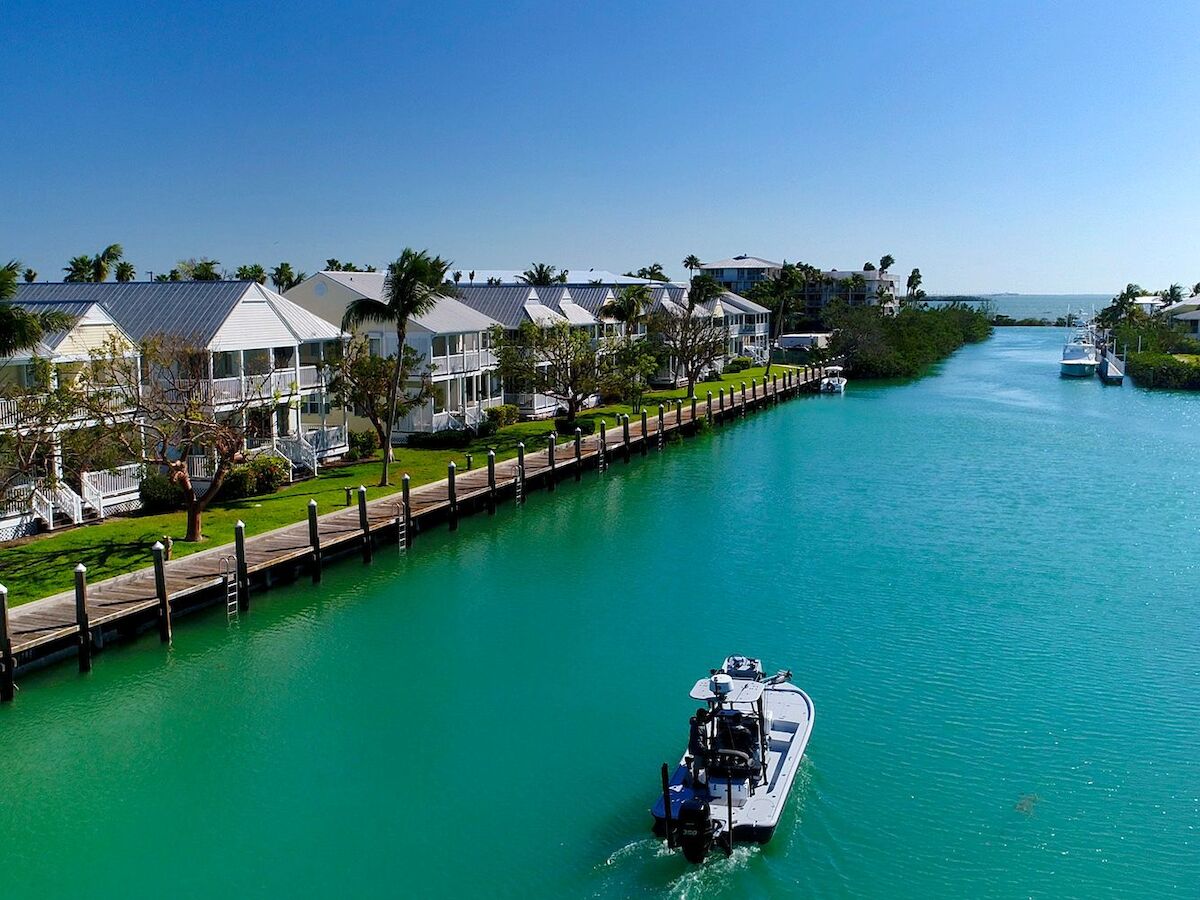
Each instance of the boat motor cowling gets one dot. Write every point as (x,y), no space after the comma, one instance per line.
(695,829)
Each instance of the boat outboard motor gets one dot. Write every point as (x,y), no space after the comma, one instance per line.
(695,829)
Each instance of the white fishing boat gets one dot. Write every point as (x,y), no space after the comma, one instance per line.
(833,381)
(744,749)
(1080,356)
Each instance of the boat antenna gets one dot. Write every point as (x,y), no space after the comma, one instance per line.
(666,782)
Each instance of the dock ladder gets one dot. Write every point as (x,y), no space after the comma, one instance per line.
(401,525)
(519,487)
(230,583)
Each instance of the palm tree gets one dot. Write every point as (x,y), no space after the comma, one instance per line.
(21,329)
(457,275)
(30,276)
(412,287)
(252,272)
(105,259)
(333,265)
(540,275)
(886,261)
(283,277)
(79,269)
(855,284)
(691,262)
(1173,294)
(205,269)
(471,276)
(1196,288)
(914,282)
(126,271)
(629,306)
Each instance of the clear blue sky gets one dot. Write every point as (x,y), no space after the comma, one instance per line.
(1008,146)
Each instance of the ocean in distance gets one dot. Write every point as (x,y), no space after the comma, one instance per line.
(985,579)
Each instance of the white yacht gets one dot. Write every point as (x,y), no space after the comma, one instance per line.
(1080,356)
(833,381)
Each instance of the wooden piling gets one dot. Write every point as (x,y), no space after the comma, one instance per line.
(491,482)
(314,540)
(721,403)
(708,405)
(743,398)
(348,489)
(551,454)
(578,453)
(693,409)
(625,434)
(602,457)
(243,576)
(660,426)
(81,619)
(364,523)
(452,492)
(160,591)
(678,413)
(8,663)
(468,462)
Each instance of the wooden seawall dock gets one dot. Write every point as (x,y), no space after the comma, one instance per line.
(82,621)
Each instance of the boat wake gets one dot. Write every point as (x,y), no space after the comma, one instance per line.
(656,870)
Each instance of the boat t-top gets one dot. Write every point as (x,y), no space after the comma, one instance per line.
(833,381)
(744,749)
(1079,356)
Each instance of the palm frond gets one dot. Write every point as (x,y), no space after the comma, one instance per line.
(365,310)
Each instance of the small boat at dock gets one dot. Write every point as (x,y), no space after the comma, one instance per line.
(833,381)
(744,749)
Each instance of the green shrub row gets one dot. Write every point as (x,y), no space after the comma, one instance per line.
(1162,370)
(738,364)
(876,345)
(363,444)
(262,475)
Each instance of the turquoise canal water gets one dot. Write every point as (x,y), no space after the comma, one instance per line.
(986,579)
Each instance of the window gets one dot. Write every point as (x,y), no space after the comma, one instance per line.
(470,342)
(456,343)
(375,346)
(439,397)
(439,345)
(486,340)
(313,405)
(470,389)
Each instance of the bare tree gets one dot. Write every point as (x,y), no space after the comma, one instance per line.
(559,361)
(692,334)
(182,423)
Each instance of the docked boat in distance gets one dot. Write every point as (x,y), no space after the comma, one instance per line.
(833,381)
(1080,356)
(744,749)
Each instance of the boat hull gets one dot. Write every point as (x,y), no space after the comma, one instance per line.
(1080,369)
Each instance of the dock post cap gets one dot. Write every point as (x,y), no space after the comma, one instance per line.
(157,545)
(81,568)
(491,454)
(405,477)
(3,589)
(521,444)
(312,502)
(239,524)
(362,488)
(578,430)
(450,466)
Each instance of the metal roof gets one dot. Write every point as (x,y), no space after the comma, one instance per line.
(504,302)
(193,310)
(740,304)
(742,262)
(590,296)
(77,309)
(451,316)
(299,321)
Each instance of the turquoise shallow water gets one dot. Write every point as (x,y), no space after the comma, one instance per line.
(986,580)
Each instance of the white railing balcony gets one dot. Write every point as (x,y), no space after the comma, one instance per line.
(327,440)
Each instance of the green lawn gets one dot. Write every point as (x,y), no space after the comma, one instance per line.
(43,565)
